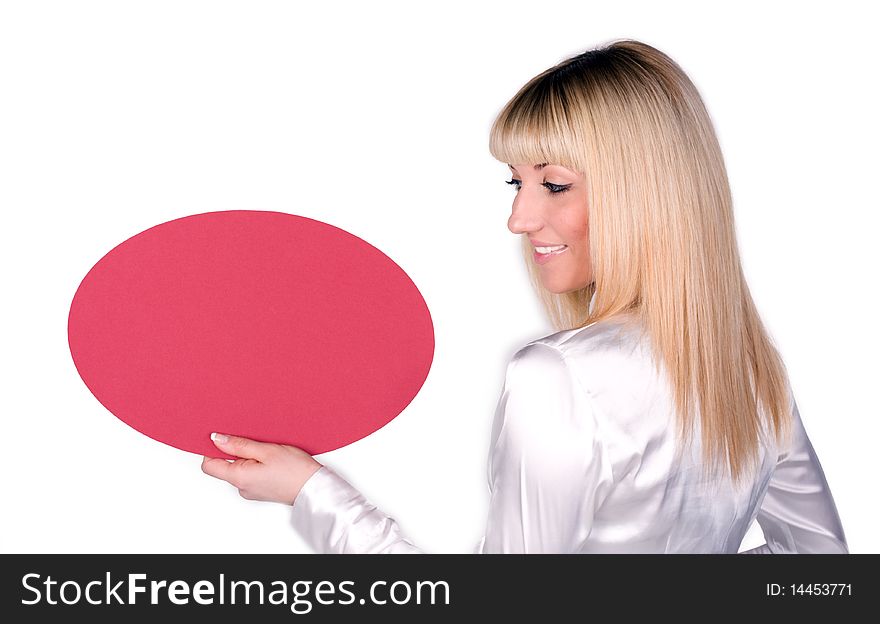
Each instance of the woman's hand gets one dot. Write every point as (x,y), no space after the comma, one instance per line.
(265,472)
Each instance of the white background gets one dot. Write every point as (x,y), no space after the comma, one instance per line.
(374,117)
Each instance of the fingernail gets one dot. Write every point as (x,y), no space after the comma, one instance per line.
(219,438)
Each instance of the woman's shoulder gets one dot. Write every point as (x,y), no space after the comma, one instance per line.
(618,337)
(609,363)
(610,358)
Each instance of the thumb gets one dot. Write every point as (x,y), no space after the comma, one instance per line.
(240,447)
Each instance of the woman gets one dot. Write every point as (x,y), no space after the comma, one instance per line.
(659,418)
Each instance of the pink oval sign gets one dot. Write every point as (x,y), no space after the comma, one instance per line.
(262,324)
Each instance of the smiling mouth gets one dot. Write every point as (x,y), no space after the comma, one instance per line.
(550,249)
(541,258)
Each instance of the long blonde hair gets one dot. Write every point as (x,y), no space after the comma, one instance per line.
(661,234)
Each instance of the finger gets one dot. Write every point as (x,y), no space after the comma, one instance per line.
(218,468)
(241,447)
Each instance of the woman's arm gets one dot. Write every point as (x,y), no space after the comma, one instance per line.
(329,513)
(798,514)
(548,469)
(547,472)
(333,517)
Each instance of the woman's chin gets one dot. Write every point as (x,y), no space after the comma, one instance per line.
(560,288)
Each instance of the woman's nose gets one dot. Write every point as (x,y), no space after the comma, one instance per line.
(524,217)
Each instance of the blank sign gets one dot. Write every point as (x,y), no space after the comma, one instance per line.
(261,324)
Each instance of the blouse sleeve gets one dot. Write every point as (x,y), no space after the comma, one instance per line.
(548,472)
(798,514)
(335,518)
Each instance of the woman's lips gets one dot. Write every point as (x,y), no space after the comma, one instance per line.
(542,258)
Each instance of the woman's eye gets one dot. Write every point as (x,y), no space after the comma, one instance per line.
(553,188)
(556,188)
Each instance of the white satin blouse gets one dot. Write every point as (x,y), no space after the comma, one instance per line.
(582,461)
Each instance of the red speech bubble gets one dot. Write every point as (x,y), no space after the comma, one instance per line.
(262,324)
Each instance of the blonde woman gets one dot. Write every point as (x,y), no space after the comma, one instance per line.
(659,417)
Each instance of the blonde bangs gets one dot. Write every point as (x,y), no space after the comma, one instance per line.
(536,126)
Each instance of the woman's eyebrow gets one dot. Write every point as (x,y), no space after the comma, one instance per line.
(537,167)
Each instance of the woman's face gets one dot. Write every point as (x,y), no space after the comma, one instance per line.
(550,207)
